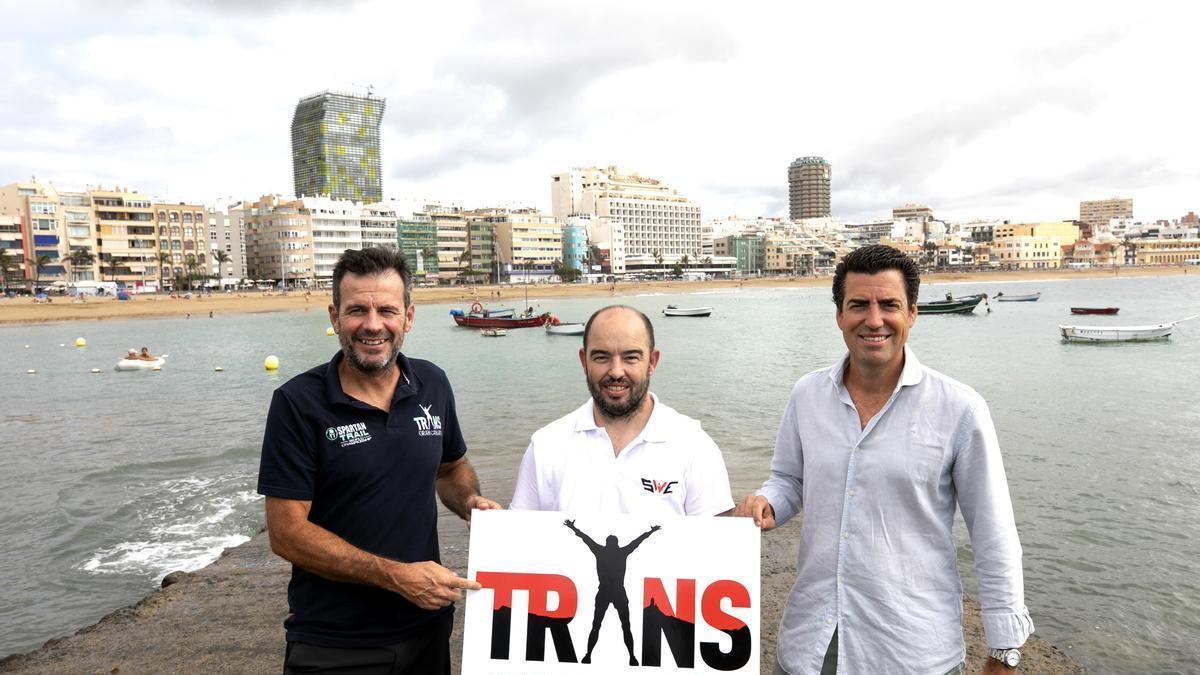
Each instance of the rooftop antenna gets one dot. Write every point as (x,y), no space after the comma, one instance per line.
(369,87)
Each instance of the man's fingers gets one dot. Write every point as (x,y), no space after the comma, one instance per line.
(468,584)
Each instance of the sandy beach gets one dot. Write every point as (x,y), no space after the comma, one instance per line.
(228,618)
(25,310)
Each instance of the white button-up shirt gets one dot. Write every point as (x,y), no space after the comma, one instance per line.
(877,554)
(671,468)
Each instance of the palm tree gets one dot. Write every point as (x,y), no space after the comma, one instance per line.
(189,268)
(79,259)
(222,258)
(7,263)
(39,261)
(685,261)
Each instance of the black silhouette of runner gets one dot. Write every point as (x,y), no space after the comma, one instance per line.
(610,570)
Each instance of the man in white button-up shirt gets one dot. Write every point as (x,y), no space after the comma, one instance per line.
(623,451)
(876,451)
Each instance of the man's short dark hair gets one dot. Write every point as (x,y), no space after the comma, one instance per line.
(874,259)
(371,260)
(587,329)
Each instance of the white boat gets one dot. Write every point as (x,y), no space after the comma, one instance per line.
(564,328)
(1031,297)
(493,332)
(139,364)
(672,310)
(1156,331)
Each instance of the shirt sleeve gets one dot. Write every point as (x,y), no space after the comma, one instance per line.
(708,492)
(983,497)
(525,496)
(784,488)
(287,467)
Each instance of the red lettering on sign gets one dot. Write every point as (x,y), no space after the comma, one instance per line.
(654,593)
(710,604)
(540,586)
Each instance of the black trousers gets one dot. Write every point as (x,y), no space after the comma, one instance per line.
(427,652)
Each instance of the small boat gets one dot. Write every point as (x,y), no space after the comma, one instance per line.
(961,305)
(471,321)
(1095,310)
(493,332)
(1031,297)
(139,364)
(553,328)
(1156,331)
(672,310)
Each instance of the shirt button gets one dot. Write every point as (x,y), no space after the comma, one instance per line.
(829,621)
(851,493)
(845,535)
(841,579)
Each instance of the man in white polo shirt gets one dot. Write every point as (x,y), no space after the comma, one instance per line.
(623,451)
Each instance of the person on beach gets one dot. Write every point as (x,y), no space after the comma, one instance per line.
(623,451)
(354,456)
(877,451)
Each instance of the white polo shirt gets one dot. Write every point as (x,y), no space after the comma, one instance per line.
(671,468)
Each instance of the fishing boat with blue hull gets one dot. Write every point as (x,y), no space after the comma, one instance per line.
(965,304)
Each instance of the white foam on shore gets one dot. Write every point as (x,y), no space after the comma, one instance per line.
(186,529)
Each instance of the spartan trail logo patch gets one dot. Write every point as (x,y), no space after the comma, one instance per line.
(349,434)
(428,425)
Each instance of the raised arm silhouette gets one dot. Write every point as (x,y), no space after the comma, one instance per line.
(610,571)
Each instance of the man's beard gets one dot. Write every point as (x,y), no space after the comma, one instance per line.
(619,411)
(369,368)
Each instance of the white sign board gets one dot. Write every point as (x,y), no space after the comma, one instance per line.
(589,593)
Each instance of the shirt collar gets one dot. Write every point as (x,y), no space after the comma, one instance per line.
(912,374)
(654,432)
(408,385)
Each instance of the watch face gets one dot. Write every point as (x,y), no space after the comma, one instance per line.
(1011,658)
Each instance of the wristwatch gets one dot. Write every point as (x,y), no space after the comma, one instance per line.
(1009,657)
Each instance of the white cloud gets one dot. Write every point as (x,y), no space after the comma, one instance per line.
(1015,111)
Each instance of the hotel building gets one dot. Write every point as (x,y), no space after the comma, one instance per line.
(1032,245)
(634,215)
(335,146)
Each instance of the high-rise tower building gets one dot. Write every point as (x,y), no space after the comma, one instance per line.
(808,188)
(335,146)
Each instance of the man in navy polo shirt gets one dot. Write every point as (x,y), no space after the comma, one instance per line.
(353,455)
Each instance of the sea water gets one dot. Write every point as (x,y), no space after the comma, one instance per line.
(112,480)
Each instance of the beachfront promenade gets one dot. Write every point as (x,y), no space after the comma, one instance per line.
(227,618)
(26,311)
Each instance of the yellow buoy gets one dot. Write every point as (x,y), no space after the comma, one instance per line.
(218,369)
(271,362)
(95,370)
(80,342)
(329,331)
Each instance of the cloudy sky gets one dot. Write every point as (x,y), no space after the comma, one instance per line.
(1008,110)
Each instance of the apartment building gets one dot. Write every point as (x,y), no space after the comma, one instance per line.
(279,242)
(416,234)
(453,238)
(918,212)
(182,258)
(1032,245)
(525,244)
(1096,214)
(227,241)
(809,180)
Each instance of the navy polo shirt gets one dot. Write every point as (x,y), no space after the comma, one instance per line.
(370,477)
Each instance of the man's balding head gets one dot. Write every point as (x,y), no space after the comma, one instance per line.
(624,309)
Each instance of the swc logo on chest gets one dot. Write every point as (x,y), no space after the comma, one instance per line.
(428,424)
(659,487)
